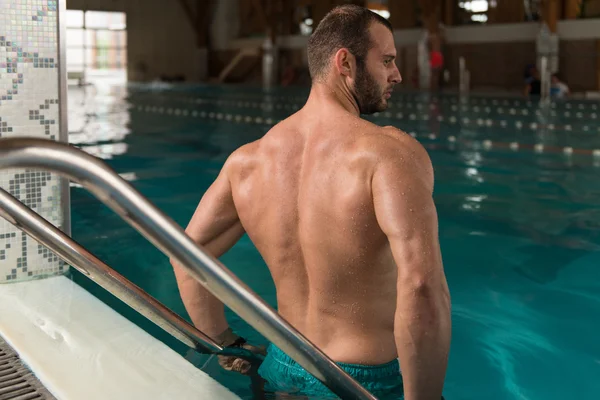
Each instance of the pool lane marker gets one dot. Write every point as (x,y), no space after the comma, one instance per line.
(515,146)
(488,122)
(568,151)
(487,144)
(402,100)
(268,106)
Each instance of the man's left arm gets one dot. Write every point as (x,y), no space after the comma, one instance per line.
(216,227)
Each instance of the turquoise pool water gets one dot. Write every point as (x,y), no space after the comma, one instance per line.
(519,224)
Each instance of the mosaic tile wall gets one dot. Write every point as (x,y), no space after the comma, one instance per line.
(29,94)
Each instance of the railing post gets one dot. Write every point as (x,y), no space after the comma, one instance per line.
(270,62)
(545,80)
(423,62)
(464,77)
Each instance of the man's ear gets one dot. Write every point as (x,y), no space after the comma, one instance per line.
(345,62)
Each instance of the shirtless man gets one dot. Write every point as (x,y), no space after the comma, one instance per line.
(341,211)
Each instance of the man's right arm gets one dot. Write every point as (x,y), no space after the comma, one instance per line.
(402,192)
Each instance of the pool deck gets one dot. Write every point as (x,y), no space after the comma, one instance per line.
(79,348)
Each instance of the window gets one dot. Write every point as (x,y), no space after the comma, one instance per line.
(96,40)
(476,10)
(475,6)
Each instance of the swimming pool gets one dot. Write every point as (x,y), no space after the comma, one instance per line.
(517,189)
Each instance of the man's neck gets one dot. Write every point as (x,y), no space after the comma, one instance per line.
(332,94)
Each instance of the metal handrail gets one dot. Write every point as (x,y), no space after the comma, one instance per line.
(171,239)
(85,262)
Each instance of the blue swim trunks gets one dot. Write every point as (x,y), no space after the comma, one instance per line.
(284,375)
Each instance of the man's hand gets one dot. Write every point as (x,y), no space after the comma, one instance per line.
(237,363)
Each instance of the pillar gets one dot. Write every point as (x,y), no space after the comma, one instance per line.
(225,25)
(33,104)
(547,40)
(550,14)
(431,41)
(571,8)
(430,13)
(449,10)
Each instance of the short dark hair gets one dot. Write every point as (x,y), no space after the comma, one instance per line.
(345,26)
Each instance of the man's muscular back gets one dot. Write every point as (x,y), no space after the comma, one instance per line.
(343,214)
(304,195)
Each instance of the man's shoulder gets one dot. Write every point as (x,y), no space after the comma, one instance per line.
(399,153)
(391,142)
(242,157)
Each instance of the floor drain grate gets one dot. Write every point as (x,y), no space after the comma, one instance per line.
(16,380)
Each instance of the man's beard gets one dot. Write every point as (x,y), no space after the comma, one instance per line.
(367,93)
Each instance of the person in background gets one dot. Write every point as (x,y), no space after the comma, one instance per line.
(558,88)
(436,61)
(533,85)
(342,212)
(528,75)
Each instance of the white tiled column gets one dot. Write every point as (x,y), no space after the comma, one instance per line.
(30,98)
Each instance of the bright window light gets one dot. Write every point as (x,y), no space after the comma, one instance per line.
(105,20)
(479,17)
(475,5)
(305,29)
(74,19)
(479,6)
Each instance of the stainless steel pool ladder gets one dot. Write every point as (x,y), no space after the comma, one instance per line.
(85,262)
(170,238)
